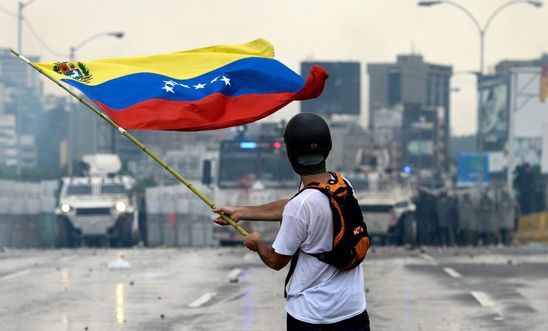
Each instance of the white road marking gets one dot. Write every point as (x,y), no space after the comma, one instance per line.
(452,272)
(202,300)
(234,275)
(15,274)
(483,298)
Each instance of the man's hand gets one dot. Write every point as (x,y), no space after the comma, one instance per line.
(267,254)
(228,211)
(253,241)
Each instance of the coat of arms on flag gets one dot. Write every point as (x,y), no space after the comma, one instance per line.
(77,71)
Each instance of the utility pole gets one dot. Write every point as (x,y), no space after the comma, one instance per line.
(18,117)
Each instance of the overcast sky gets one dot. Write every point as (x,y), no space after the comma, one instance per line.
(358,30)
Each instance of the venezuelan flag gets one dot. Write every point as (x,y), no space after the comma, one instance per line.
(201,89)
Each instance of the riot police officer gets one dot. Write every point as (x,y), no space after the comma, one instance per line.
(488,220)
(468,223)
(444,211)
(506,214)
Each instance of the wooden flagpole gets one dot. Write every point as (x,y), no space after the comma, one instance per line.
(139,144)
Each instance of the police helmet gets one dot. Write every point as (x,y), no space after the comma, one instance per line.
(307,139)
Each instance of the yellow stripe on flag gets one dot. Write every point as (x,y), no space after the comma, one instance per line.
(181,65)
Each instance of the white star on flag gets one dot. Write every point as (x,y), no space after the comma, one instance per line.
(185,86)
(168,88)
(199,86)
(214,80)
(226,80)
(170,82)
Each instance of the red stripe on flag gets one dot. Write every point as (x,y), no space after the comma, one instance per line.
(213,112)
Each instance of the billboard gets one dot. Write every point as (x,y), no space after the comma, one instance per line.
(468,169)
(530,114)
(420,128)
(543,82)
(493,95)
(341,94)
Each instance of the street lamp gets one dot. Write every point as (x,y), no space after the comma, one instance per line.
(482,31)
(72,57)
(73,49)
(20,18)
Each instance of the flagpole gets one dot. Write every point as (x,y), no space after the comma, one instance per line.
(139,144)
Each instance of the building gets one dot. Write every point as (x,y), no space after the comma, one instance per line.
(21,94)
(503,68)
(16,73)
(27,151)
(410,80)
(342,90)
(8,140)
(351,143)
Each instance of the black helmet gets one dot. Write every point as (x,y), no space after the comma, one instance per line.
(307,139)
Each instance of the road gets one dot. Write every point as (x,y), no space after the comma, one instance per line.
(501,288)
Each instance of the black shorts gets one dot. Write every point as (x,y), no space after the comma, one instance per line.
(357,323)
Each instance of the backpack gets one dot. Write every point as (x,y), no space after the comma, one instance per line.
(350,238)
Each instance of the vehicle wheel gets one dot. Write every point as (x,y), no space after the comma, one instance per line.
(125,231)
(409,230)
(62,233)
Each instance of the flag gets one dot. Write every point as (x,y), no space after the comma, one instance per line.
(201,89)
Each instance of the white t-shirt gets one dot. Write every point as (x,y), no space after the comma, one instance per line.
(318,293)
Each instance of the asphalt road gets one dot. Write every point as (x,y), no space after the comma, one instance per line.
(502,288)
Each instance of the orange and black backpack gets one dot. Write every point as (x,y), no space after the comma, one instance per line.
(350,238)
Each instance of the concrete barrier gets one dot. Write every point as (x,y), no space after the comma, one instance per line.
(26,213)
(532,228)
(26,231)
(179,230)
(177,217)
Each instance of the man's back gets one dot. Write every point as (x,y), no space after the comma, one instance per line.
(318,293)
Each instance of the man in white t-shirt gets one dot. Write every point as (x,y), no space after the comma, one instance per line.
(320,296)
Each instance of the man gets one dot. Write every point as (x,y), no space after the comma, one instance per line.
(320,296)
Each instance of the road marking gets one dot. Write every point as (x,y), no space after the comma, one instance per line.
(15,274)
(234,275)
(202,300)
(452,272)
(483,298)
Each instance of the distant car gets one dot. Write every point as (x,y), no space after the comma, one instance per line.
(96,209)
(387,207)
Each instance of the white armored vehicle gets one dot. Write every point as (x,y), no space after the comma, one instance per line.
(387,206)
(99,207)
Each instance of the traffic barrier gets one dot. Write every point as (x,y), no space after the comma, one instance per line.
(179,230)
(532,228)
(26,213)
(175,217)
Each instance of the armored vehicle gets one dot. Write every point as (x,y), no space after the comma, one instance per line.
(387,206)
(97,208)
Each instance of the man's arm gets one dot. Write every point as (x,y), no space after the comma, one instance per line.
(272,259)
(267,212)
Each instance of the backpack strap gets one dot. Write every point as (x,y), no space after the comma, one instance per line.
(294,260)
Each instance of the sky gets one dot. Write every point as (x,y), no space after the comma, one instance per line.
(368,31)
